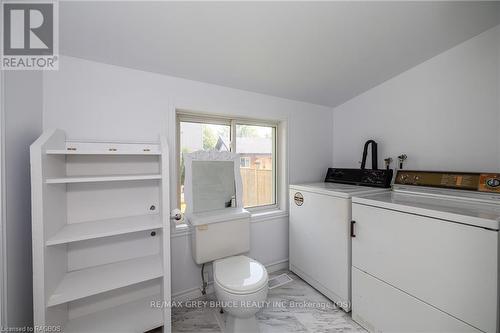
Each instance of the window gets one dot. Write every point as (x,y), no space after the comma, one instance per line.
(245,162)
(256,145)
(253,140)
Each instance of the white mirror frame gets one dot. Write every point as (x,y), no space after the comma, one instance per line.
(210,155)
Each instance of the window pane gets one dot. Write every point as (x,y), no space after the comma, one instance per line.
(198,136)
(255,144)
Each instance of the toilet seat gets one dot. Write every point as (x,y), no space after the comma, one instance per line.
(240,275)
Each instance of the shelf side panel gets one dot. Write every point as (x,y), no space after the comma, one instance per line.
(165,202)
(48,214)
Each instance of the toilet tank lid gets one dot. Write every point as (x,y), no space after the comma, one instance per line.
(219,215)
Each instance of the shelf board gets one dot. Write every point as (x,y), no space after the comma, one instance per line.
(95,179)
(95,280)
(136,316)
(104,228)
(99,152)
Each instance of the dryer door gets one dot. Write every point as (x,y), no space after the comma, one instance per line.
(320,243)
(451,266)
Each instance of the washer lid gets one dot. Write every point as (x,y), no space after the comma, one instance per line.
(336,189)
(240,274)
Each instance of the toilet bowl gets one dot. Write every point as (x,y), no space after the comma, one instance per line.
(241,287)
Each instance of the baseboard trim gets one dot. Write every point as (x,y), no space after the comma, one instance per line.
(277,266)
(193,293)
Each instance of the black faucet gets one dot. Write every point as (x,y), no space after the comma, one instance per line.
(374,155)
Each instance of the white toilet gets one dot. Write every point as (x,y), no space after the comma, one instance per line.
(221,235)
(240,282)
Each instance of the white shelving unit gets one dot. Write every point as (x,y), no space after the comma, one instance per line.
(129,317)
(105,228)
(101,234)
(98,152)
(97,179)
(92,281)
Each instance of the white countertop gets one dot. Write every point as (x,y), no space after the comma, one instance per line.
(486,215)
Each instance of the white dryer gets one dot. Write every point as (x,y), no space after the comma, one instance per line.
(425,257)
(320,241)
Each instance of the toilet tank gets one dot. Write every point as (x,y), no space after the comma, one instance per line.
(219,233)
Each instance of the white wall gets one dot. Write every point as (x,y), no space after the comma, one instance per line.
(23,124)
(498,87)
(444,113)
(91,100)
(2,208)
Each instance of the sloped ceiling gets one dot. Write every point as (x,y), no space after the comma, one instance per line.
(318,52)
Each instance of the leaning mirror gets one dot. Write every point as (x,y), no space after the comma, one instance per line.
(213,181)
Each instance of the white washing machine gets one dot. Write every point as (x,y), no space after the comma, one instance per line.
(320,242)
(425,257)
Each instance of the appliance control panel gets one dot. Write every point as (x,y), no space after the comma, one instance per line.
(363,177)
(482,182)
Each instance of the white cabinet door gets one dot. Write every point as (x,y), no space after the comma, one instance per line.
(381,308)
(451,266)
(320,244)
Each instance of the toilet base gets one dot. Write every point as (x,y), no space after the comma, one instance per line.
(241,325)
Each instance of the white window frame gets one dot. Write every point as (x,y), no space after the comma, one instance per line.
(186,116)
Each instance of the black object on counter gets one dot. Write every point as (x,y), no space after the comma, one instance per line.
(374,155)
(363,177)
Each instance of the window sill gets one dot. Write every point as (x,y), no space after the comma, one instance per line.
(183,229)
(272,214)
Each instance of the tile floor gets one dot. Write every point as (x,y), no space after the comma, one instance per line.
(294,307)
